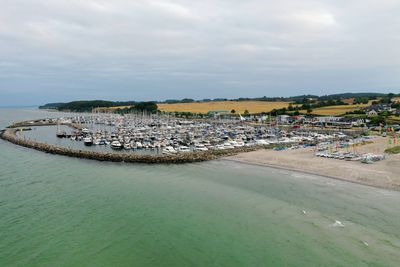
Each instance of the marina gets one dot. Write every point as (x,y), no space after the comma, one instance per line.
(143,138)
(155,134)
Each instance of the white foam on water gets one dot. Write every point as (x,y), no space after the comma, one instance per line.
(337,224)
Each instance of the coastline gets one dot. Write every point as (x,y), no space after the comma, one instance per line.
(384,174)
(302,171)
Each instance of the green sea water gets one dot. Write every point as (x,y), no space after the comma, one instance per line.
(60,211)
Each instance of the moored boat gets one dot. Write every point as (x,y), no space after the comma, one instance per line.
(88,141)
(116,145)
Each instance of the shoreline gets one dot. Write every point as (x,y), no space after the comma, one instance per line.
(384,174)
(302,171)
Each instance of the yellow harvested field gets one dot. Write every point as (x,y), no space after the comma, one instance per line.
(396,99)
(238,106)
(337,110)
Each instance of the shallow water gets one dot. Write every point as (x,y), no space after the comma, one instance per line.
(60,211)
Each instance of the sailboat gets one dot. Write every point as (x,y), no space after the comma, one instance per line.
(60,134)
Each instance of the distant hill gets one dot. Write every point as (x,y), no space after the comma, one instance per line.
(90,105)
(85,105)
(51,106)
(297,99)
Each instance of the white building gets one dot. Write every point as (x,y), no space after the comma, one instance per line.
(327,119)
(372,113)
(282,118)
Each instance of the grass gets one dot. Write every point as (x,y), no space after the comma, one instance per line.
(393,150)
(393,119)
(238,106)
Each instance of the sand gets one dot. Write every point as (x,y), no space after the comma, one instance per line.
(383,174)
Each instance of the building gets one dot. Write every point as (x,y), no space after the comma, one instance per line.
(283,119)
(217,113)
(328,119)
(372,113)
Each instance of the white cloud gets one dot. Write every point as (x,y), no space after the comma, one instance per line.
(316,19)
(216,43)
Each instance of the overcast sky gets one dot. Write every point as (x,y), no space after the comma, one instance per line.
(59,50)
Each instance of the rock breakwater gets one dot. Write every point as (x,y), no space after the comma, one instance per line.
(10,135)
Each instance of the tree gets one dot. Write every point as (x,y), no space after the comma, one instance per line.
(246,112)
(306,106)
(309,110)
(331,102)
(145,106)
(233,111)
(361,100)
(377,120)
(396,105)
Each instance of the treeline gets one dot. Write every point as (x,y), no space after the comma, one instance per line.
(147,107)
(301,99)
(89,105)
(51,106)
(369,96)
(320,104)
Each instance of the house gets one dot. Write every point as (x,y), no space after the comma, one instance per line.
(299,118)
(378,108)
(372,113)
(355,122)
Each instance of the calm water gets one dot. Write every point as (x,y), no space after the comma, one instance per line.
(47,134)
(59,211)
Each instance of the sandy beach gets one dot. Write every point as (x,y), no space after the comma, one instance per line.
(383,174)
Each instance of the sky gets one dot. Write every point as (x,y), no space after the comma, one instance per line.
(64,50)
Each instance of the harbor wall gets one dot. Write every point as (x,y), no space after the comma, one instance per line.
(10,134)
(42,123)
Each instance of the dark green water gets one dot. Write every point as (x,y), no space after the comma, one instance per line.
(59,211)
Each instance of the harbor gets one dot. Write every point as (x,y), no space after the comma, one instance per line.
(152,135)
(164,139)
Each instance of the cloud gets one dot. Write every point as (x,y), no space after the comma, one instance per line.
(175,48)
(322,20)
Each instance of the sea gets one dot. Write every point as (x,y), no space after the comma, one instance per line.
(61,211)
